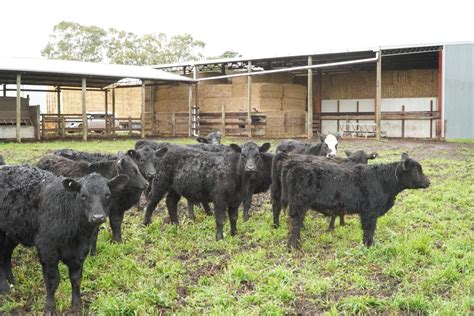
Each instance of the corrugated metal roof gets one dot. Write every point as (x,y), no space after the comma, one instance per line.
(333,52)
(61,72)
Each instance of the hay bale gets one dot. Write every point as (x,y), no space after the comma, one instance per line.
(177,105)
(172,92)
(259,90)
(294,104)
(212,104)
(280,78)
(235,104)
(266,104)
(215,91)
(294,91)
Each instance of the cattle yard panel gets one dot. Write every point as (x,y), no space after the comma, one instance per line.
(70,125)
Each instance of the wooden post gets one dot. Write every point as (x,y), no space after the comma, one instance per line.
(249,100)
(4,90)
(173,123)
(143,118)
(43,126)
(58,99)
(439,127)
(190,108)
(310,99)
(63,126)
(318,97)
(338,110)
(431,121)
(107,121)
(84,109)
(196,89)
(113,110)
(378,95)
(130,126)
(152,103)
(223,119)
(38,122)
(18,108)
(403,123)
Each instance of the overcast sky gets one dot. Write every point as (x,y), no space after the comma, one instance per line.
(253,28)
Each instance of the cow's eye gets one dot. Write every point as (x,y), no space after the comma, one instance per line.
(84,197)
(107,196)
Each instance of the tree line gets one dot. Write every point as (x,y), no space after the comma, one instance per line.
(73,41)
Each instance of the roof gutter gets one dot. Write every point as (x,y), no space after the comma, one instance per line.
(264,72)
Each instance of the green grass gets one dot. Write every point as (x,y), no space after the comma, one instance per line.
(422,261)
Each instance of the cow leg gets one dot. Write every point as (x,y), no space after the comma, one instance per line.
(369,224)
(233,217)
(220,213)
(9,246)
(49,262)
(4,285)
(172,200)
(116,219)
(191,211)
(248,202)
(276,209)
(156,194)
(207,208)
(93,241)
(342,222)
(332,221)
(296,219)
(75,277)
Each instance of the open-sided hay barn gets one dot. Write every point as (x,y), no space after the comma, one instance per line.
(423,91)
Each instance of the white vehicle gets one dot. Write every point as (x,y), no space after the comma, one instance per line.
(94,120)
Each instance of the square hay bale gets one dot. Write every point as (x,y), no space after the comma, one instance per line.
(294,91)
(295,122)
(172,92)
(269,78)
(215,91)
(266,104)
(178,105)
(236,104)
(259,90)
(294,104)
(212,104)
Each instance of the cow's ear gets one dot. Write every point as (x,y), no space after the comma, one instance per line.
(373,155)
(236,148)
(133,154)
(338,136)
(322,137)
(348,152)
(71,185)
(118,183)
(264,148)
(202,140)
(405,161)
(161,152)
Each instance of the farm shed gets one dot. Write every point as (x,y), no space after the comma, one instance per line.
(80,77)
(421,91)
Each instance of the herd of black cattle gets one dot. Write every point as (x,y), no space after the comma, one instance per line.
(59,205)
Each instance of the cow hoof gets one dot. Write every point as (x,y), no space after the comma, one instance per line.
(5,288)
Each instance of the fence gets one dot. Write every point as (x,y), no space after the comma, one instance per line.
(70,125)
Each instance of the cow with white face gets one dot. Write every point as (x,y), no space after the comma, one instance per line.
(332,141)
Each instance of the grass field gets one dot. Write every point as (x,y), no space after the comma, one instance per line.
(422,261)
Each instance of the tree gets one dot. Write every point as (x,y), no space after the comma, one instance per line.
(73,41)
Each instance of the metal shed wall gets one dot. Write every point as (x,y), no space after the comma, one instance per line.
(459,90)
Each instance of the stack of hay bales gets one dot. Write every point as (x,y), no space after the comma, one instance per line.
(171,99)
(276,96)
(212,97)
